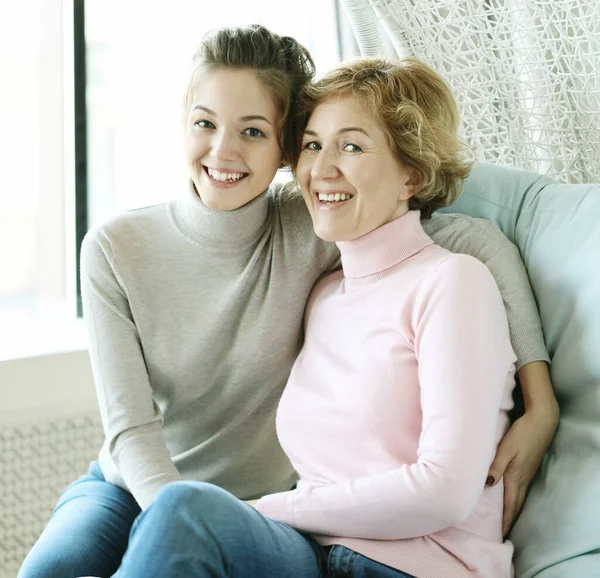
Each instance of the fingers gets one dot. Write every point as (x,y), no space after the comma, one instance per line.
(515,492)
(521,499)
(504,456)
(508,522)
(511,501)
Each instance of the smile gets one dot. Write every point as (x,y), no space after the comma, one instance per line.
(225,177)
(333,197)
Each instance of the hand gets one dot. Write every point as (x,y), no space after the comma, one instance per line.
(252,503)
(519,456)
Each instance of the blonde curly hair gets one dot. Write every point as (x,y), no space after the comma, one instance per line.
(417,110)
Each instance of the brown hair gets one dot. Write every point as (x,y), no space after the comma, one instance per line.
(283,65)
(419,113)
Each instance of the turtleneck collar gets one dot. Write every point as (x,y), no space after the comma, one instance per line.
(384,247)
(232,230)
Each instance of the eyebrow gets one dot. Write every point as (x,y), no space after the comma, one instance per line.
(342,131)
(243,119)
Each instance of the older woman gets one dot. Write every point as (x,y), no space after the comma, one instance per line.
(398,400)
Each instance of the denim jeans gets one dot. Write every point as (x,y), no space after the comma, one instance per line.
(195,529)
(87,533)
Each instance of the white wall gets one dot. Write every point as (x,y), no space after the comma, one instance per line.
(48,386)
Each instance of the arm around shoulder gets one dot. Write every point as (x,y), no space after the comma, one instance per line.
(483,240)
(323,255)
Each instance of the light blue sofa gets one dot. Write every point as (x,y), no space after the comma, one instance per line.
(557,229)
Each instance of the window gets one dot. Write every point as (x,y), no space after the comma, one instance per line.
(36,273)
(137,71)
(121,150)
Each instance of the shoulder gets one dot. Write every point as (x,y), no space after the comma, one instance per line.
(297,228)
(124,232)
(445,223)
(459,273)
(464,234)
(458,289)
(287,200)
(459,264)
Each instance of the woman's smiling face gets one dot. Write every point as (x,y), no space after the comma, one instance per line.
(350,178)
(231,143)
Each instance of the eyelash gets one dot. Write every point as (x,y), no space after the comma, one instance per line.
(260,132)
(201,123)
(350,144)
(207,124)
(311,144)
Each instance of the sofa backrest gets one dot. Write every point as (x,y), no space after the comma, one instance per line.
(557,229)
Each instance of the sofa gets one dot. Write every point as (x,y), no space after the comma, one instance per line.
(556,227)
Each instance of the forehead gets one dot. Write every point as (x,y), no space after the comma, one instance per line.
(344,112)
(236,92)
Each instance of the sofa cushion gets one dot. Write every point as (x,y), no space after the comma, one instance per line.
(557,229)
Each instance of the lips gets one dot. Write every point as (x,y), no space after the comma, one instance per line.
(225,176)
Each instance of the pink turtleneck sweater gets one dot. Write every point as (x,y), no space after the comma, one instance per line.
(395,407)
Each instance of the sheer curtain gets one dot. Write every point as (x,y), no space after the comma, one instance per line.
(525,73)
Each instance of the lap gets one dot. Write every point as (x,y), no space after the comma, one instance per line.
(194,529)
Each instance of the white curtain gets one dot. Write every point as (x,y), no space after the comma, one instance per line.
(525,73)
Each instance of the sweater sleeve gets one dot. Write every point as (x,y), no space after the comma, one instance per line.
(131,419)
(485,241)
(465,365)
(324,255)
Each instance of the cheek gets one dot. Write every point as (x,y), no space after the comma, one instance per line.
(303,172)
(194,146)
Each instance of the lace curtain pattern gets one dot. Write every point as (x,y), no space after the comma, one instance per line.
(525,73)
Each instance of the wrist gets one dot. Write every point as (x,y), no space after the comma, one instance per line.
(544,409)
(538,394)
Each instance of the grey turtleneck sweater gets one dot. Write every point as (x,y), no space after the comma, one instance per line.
(195,319)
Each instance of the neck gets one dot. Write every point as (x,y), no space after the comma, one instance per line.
(384,247)
(222,229)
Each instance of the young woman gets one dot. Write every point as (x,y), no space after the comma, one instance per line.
(195,309)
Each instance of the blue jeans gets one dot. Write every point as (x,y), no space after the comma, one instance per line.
(195,529)
(87,533)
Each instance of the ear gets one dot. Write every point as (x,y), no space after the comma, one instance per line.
(412,184)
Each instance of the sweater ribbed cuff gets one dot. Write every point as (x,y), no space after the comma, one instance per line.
(529,346)
(279,507)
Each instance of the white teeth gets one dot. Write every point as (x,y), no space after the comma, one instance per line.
(224,177)
(334,197)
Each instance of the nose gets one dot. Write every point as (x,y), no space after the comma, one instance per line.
(325,165)
(225,146)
